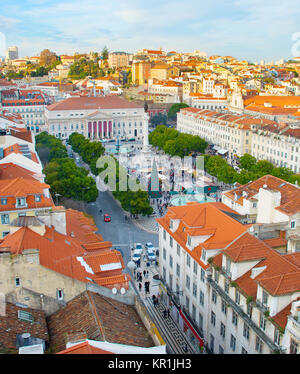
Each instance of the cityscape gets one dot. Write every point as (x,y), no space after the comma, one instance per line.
(150,198)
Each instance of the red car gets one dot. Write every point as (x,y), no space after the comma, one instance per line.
(107,218)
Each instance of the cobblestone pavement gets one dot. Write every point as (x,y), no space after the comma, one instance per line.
(174,338)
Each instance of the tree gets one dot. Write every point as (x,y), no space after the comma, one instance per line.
(47,57)
(104,53)
(175,108)
(247,161)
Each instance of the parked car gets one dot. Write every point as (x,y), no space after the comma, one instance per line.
(138,247)
(151,256)
(136,256)
(107,218)
(150,246)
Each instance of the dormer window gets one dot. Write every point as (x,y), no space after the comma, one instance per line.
(4,201)
(171,224)
(265,298)
(37,198)
(21,202)
(203,255)
(189,240)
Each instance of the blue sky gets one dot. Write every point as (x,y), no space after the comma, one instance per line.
(250,29)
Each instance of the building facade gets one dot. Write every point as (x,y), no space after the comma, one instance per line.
(104,117)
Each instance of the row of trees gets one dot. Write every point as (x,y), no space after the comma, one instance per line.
(135,202)
(251,169)
(175,143)
(62,173)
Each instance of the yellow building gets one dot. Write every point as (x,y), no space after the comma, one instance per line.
(141,72)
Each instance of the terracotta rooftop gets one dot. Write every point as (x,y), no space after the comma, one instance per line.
(100,318)
(93,103)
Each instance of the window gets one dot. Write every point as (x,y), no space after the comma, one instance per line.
(237,297)
(246,331)
(249,310)
(17,281)
(171,241)
(293,224)
(293,347)
(244,352)
(164,234)
(188,260)
(37,198)
(234,318)
(202,275)
(201,298)
(3,201)
(59,294)
(200,321)
(5,219)
(194,290)
(226,286)
(222,330)
(212,342)
(276,337)
(216,276)
(171,261)
(187,282)
(21,201)
(195,267)
(213,318)
(189,241)
(203,255)
(262,322)
(178,270)
(178,249)
(265,298)
(221,350)
(214,296)
(258,345)
(232,342)
(25,316)
(187,303)
(164,253)
(224,307)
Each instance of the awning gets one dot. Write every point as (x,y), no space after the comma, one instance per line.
(222,151)
(191,328)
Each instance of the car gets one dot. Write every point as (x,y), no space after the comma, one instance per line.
(107,218)
(136,256)
(151,256)
(150,246)
(138,248)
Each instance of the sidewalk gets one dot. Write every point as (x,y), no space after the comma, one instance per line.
(175,339)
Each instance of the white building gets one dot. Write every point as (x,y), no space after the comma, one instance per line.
(96,118)
(226,287)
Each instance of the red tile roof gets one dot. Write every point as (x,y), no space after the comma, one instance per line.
(93,103)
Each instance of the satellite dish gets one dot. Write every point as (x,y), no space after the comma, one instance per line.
(114,290)
(123,290)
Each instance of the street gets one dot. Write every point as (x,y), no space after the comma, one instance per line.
(120,232)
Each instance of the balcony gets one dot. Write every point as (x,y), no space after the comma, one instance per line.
(243,315)
(264,308)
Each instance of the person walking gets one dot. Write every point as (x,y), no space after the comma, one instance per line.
(140,287)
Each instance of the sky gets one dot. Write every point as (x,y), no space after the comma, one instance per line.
(245,29)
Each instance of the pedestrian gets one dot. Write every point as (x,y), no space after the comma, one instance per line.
(168,312)
(165,313)
(185,348)
(140,286)
(144,272)
(154,299)
(100,211)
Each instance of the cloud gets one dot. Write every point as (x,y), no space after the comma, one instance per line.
(243,28)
